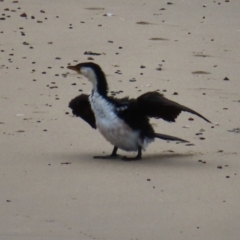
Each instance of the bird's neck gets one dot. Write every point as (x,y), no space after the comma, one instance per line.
(101,86)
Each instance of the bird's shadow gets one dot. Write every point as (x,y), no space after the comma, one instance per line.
(166,159)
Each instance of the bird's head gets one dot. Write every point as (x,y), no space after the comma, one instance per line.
(93,73)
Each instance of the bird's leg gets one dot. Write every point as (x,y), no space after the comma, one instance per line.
(113,155)
(138,157)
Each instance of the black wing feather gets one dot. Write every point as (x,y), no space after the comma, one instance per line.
(81,107)
(154,104)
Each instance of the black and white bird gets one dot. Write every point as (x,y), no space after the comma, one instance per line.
(123,122)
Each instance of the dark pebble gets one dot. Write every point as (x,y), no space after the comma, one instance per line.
(189,144)
(23,15)
(91,53)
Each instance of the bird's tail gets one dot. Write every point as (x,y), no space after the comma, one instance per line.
(168,137)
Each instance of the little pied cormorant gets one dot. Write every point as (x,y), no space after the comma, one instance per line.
(123,122)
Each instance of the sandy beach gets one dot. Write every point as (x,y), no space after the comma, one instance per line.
(51,186)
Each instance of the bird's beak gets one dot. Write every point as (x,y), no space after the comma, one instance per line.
(74,68)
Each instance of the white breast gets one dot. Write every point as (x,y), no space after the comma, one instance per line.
(111,127)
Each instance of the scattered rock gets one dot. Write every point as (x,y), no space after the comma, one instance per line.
(94,8)
(108,14)
(91,53)
(235,130)
(200,72)
(23,15)
(189,144)
(132,80)
(159,39)
(143,23)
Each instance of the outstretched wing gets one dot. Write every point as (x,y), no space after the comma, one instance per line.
(81,107)
(154,104)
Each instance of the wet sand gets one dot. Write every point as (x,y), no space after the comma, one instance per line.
(51,187)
